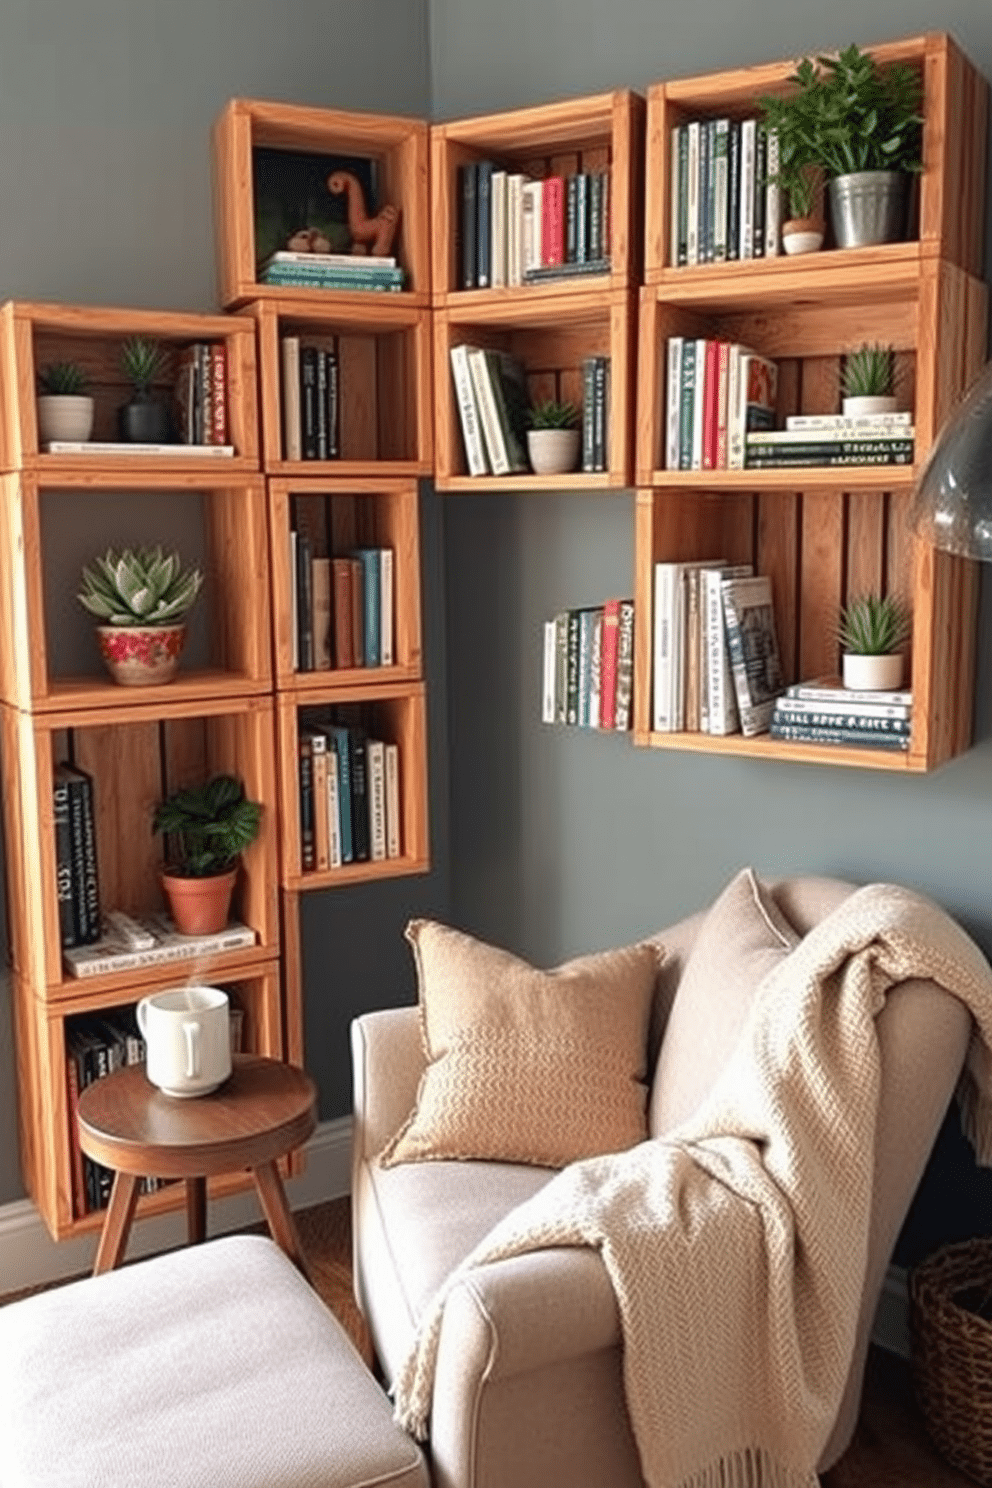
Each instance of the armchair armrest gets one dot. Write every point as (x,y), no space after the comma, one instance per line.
(387,1062)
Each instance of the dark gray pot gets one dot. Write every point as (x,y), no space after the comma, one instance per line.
(144,421)
(868,207)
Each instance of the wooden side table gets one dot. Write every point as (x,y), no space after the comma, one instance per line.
(263,1111)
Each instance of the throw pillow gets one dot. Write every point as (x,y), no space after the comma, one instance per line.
(742,938)
(524,1065)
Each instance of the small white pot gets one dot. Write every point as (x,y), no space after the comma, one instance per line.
(802,235)
(553,451)
(64,416)
(873,673)
(869,403)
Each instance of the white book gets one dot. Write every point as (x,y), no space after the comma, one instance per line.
(375,757)
(514,229)
(485,402)
(292,441)
(664,619)
(111,953)
(748,151)
(333,807)
(468,413)
(549,656)
(531,207)
(106,447)
(852,423)
(773,202)
(773,438)
(801,708)
(673,200)
(673,409)
(393,836)
(386,607)
(698,395)
(595,670)
(721,139)
(497,232)
(333,260)
(692,220)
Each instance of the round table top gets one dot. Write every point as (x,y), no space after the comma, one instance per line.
(265,1109)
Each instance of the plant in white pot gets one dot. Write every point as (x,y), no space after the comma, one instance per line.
(872,630)
(65,408)
(208,826)
(141,599)
(868,380)
(553,437)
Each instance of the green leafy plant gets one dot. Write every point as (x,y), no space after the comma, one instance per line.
(147,587)
(209,824)
(551,414)
(874,625)
(869,372)
(63,379)
(142,361)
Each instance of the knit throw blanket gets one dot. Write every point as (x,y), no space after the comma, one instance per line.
(737,1248)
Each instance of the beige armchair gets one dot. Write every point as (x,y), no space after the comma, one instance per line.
(528,1391)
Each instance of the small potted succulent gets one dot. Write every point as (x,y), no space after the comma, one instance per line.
(144,419)
(872,630)
(65,408)
(141,599)
(553,437)
(209,826)
(799,174)
(868,380)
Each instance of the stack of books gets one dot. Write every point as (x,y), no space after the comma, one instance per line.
(717,393)
(824,711)
(514,230)
(310,400)
(723,205)
(332,271)
(349,789)
(588,666)
(833,439)
(201,393)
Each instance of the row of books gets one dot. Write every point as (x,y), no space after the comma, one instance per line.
(333,271)
(723,205)
(201,393)
(716,658)
(77,879)
(343,607)
(310,401)
(349,787)
(875,439)
(514,230)
(717,392)
(588,666)
(824,711)
(491,394)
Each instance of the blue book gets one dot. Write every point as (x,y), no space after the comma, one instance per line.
(338,736)
(371,586)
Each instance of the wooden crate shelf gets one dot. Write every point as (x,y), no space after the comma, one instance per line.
(32,336)
(602,132)
(398,146)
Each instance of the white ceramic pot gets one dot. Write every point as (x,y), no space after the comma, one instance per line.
(553,451)
(64,416)
(873,673)
(187,1035)
(802,235)
(869,403)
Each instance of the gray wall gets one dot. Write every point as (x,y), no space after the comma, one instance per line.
(565,840)
(105,115)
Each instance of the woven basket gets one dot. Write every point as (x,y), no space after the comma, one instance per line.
(952,1353)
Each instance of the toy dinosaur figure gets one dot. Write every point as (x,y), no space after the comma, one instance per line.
(368,234)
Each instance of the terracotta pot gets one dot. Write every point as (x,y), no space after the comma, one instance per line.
(199,906)
(141,655)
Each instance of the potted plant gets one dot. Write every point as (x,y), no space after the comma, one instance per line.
(868,380)
(141,599)
(553,437)
(862,125)
(144,419)
(209,826)
(798,174)
(871,631)
(65,409)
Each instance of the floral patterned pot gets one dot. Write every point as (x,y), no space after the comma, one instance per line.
(141,655)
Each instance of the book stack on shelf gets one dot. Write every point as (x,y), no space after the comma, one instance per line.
(349,795)
(833,439)
(379,272)
(723,205)
(491,392)
(588,666)
(824,711)
(127,943)
(717,394)
(310,400)
(514,230)
(716,657)
(201,394)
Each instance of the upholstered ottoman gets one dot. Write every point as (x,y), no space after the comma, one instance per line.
(212,1367)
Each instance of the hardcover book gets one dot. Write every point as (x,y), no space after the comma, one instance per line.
(753,645)
(111,954)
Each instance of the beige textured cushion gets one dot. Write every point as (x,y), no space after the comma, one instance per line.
(742,937)
(524,1065)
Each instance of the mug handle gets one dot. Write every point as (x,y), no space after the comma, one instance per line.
(192,1033)
(141,1013)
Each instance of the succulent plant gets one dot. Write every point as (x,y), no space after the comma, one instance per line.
(868,372)
(209,824)
(147,587)
(553,415)
(142,360)
(63,379)
(874,625)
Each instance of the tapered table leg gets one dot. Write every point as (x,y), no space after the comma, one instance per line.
(196,1210)
(276,1210)
(117,1224)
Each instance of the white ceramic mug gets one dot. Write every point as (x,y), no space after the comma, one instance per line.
(188,1039)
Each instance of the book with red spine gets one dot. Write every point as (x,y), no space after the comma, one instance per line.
(553,223)
(711,378)
(218,393)
(723,381)
(608,664)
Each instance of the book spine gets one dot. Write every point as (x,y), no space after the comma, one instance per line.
(705,193)
(586,623)
(498,228)
(692,208)
(469,175)
(773,200)
(687,396)
(63,861)
(734,190)
(721,134)
(791,459)
(358,611)
(571,227)
(341,577)
(488,417)
(359,795)
(605,219)
(320,584)
(601,368)
(370,565)
(333,407)
(821,717)
(625,664)
(859,738)
(698,404)
(308,396)
(218,382)
(812,693)
(746,246)
(467,411)
(85,963)
(553,223)
(530,241)
(514,229)
(376,764)
(342,750)
(572,669)
(583,216)
(308,848)
(663,640)
(595,668)
(548,673)
(202,420)
(387,608)
(320,403)
(674,193)
(73,1085)
(722,390)
(304,601)
(483,273)
(673,402)
(850,423)
(394,829)
(548,273)
(597,246)
(588,412)
(608,664)
(333,806)
(760,190)
(711,383)
(91,879)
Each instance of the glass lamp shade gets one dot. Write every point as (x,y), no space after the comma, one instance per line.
(952,502)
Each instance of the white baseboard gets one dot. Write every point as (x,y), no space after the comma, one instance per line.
(28,1254)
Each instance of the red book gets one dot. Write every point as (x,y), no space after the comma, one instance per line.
(721,405)
(553,220)
(710,386)
(218,393)
(608,664)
